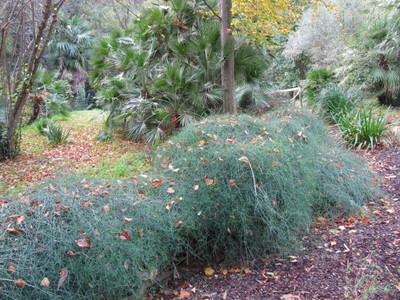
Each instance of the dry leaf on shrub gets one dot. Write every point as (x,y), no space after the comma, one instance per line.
(63,277)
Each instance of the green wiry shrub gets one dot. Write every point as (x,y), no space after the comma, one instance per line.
(252,185)
(227,188)
(108,241)
(334,101)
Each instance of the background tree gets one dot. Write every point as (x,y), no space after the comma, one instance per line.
(69,51)
(165,72)
(372,61)
(228,66)
(25,30)
(325,30)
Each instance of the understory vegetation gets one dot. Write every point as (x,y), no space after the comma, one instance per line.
(150,173)
(224,189)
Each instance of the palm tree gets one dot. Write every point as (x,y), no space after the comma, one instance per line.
(69,51)
(165,72)
(373,61)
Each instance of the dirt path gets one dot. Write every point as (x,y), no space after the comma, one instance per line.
(353,258)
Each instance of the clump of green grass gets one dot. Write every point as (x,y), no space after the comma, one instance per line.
(362,128)
(56,134)
(124,166)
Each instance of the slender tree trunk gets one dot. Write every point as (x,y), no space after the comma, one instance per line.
(23,76)
(227,70)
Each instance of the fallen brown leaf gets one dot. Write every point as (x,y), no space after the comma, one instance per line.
(63,277)
(45,282)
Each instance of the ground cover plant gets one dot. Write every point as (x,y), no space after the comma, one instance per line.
(225,189)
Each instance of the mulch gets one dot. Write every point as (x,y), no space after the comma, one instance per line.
(350,258)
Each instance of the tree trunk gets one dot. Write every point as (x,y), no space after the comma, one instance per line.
(227,70)
(19,82)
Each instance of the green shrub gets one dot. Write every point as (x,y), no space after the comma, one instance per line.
(252,185)
(103,135)
(55,134)
(41,125)
(247,101)
(316,80)
(69,212)
(224,189)
(334,101)
(362,128)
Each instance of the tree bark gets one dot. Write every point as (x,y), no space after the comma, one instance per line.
(24,75)
(227,70)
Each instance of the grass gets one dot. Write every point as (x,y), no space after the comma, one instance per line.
(82,154)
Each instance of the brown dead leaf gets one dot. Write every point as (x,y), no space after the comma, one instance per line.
(183,294)
(202,143)
(106,208)
(20,220)
(45,282)
(196,187)
(11,268)
(244,159)
(128,219)
(390,211)
(124,234)
(13,230)
(209,181)
(178,223)
(209,271)
(63,277)
(19,282)
(289,297)
(170,190)
(155,183)
(84,243)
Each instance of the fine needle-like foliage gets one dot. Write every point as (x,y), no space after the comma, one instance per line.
(224,189)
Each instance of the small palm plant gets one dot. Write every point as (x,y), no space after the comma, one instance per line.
(55,134)
(153,85)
